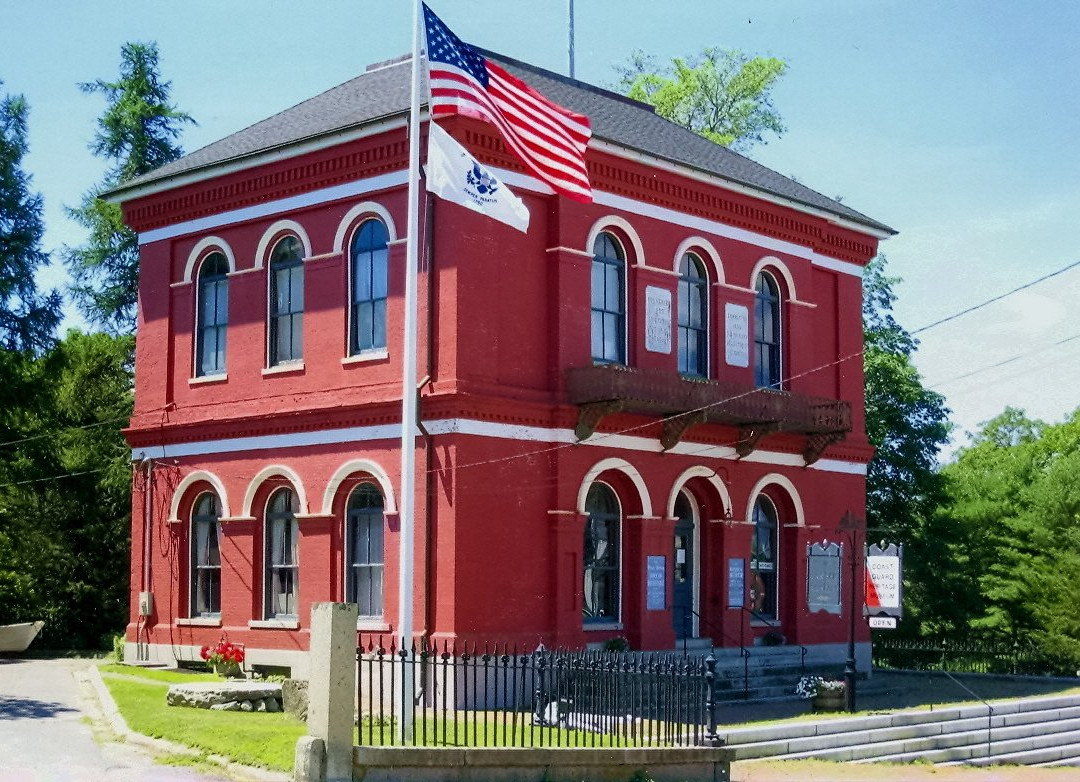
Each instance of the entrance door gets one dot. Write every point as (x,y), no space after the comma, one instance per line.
(682,591)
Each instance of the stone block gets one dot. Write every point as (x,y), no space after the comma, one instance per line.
(203,696)
(294,698)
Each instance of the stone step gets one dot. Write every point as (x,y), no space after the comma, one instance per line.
(1034,747)
(787,731)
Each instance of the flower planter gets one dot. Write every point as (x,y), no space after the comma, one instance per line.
(228,669)
(832,700)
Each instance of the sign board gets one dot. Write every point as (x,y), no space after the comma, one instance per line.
(736,335)
(883,580)
(883,622)
(655,583)
(657,319)
(736,582)
(823,577)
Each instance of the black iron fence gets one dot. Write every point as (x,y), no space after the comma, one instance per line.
(967,655)
(502,696)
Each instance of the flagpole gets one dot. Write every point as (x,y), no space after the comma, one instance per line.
(406,502)
(570,13)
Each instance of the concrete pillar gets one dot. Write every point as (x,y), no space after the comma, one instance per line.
(332,684)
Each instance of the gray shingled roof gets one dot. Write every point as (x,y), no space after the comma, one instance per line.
(384,92)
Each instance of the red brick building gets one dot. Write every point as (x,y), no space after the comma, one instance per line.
(634,418)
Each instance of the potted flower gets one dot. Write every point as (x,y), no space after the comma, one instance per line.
(824,694)
(224,658)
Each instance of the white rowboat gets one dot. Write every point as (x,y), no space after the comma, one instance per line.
(15,638)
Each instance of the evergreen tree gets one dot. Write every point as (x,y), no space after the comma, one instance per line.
(27,320)
(907,424)
(136,134)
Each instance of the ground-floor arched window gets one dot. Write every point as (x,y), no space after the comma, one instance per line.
(602,555)
(205,556)
(282,564)
(764,560)
(364,550)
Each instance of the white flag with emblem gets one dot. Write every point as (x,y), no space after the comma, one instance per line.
(455,175)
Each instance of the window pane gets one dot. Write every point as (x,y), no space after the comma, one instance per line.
(378,274)
(598,285)
(613,289)
(376,591)
(597,335)
(362,282)
(697,306)
(207,303)
(296,289)
(612,348)
(378,338)
(282,339)
(280,297)
(222,310)
(297,343)
(364,314)
(684,304)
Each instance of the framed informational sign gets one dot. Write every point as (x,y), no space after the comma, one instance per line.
(657,319)
(736,582)
(883,580)
(736,335)
(823,577)
(655,583)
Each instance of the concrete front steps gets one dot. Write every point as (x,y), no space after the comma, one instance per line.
(1035,731)
(770,672)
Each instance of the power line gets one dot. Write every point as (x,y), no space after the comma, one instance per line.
(999,297)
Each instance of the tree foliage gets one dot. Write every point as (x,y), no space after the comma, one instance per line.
(65,488)
(1013,499)
(724,95)
(136,134)
(907,424)
(27,319)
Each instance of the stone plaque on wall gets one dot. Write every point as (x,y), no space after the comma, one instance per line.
(657,320)
(736,335)
(655,583)
(823,577)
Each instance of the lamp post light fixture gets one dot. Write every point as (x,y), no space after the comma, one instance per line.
(851,524)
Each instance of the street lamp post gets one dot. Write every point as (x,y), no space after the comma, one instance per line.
(851,524)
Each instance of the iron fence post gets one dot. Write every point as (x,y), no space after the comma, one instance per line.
(711,738)
(538,697)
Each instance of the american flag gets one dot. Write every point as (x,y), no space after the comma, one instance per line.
(549,139)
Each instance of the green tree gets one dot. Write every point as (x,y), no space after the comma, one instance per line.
(65,489)
(1013,499)
(136,134)
(27,320)
(907,424)
(724,95)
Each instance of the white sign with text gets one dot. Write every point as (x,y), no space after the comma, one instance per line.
(657,319)
(736,335)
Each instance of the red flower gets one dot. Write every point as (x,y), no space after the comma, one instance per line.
(205,652)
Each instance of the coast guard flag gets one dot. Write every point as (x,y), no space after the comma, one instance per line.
(549,139)
(455,175)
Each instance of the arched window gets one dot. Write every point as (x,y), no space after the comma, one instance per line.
(693,317)
(764,559)
(608,301)
(602,555)
(282,565)
(368,255)
(287,301)
(205,556)
(767,333)
(213,315)
(364,550)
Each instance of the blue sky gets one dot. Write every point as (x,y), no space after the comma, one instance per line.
(954,122)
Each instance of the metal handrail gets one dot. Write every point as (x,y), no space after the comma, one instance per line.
(986,703)
(743,651)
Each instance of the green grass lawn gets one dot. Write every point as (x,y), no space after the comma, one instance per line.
(251,738)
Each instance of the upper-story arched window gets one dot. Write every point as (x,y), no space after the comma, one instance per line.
(282,567)
(608,301)
(364,550)
(693,317)
(767,340)
(213,315)
(286,302)
(368,256)
(205,556)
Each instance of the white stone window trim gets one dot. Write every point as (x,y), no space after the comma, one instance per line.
(284,369)
(274,624)
(366,356)
(199,621)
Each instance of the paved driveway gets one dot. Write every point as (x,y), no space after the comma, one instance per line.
(51,731)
